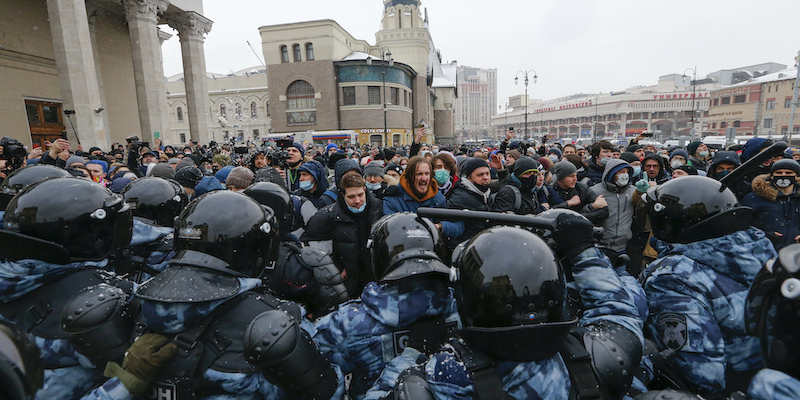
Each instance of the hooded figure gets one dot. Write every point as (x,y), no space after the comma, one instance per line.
(313,190)
(661,176)
(616,188)
(518,193)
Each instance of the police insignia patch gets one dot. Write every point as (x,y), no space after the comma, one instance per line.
(672,330)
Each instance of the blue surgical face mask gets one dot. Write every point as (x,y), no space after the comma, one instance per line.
(357,210)
(441,175)
(373,186)
(306,185)
(637,170)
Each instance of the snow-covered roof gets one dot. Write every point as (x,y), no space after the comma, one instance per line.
(359,55)
(789,73)
(445,75)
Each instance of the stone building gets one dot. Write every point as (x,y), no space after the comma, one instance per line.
(477,101)
(99,60)
(321,78)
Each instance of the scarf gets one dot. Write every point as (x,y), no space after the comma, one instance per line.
(433,189)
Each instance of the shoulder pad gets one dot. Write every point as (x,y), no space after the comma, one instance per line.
(412,385)
(615,353)
(314,257)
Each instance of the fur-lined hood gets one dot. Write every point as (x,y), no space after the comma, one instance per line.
(762,186)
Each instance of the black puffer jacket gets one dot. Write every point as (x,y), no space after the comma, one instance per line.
(506,199)
(348,233)
(466,196)
(587,198)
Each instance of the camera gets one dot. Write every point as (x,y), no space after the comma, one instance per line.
(13,152)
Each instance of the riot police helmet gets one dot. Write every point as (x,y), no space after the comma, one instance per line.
(21,367)
(694,208)
(772,311)
(85,219)
(156,199)
(404,245)
(275,197)
(23,177)
(512,295)
(231,227)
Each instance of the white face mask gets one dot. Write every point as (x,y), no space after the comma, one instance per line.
(623,180)
(676,163)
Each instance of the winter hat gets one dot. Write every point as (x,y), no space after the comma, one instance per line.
(692,147)
(189,176)
(330,146)
(239,177)
(754,146)
(546,163)
(786,163)
(185,162)
(207,184)
(393,167)
(525,164)
(269,174)
(689,169)
(75,159)
(471,164)
(628,157)
(389,154)
(724,157)
(515,154)
(173,161)
(162,170)
(633,148)
(563,169)
(222,159)
(514,144)
(118,184)
(334,158)
(148,153)
(299,147)
(554,150)
(679,152)
(222,174)
(91,150)
(102,164)
(373,168)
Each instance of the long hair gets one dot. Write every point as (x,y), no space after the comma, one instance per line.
(411,169)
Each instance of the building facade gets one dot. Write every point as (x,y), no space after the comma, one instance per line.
(91,70)
(676,106)
(321,78)
(477,101)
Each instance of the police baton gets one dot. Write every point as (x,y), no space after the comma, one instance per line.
(494,218)
(737,174)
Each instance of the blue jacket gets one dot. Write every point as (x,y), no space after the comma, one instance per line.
(359,336)
(318,172)
(774,211)
(605,298)
(696,293)
(144,235)
(404,202)
(770,384)
(68,375)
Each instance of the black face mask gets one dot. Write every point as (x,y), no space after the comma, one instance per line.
(529,182)
(482,188)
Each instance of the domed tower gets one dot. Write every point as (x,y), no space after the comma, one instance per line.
(404,32)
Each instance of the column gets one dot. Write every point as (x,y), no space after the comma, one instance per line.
(142,17)
(191,28)
(77,73)
(93,12)
(168,136)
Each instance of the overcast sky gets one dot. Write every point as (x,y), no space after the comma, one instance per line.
(580,46)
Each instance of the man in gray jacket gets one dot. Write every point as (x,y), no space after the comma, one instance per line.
(616,188)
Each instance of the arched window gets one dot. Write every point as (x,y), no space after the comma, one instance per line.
(714,125)
(300,103)
(179,111)
(297,55)
(284,54)
(238,110)
(309,51)
(253,110)
(223,112)
(723,124)
(737,124)
(267,108)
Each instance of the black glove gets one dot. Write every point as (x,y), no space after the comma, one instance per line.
(573,234)
(142,362)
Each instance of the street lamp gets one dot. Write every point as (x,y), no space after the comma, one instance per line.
(694,87)
(516,81)
(385,54)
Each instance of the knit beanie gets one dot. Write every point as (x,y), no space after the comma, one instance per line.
(373,168)
(471,164)
(75,159)
(786,163)
(239,177)
(185,162)
(515,154)
(679,152)
(222,159)
(546,163)
(163,170)
(692,147)
(563,169)
(188,176)
(629,157)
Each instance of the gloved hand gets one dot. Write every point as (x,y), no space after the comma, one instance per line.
(642,185)
(573,234)
(142,362)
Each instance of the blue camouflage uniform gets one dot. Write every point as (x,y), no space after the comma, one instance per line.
(359,335)
(145,234)
(770,384)
(171,318)
(605,298)
(68,374)
(696,294)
